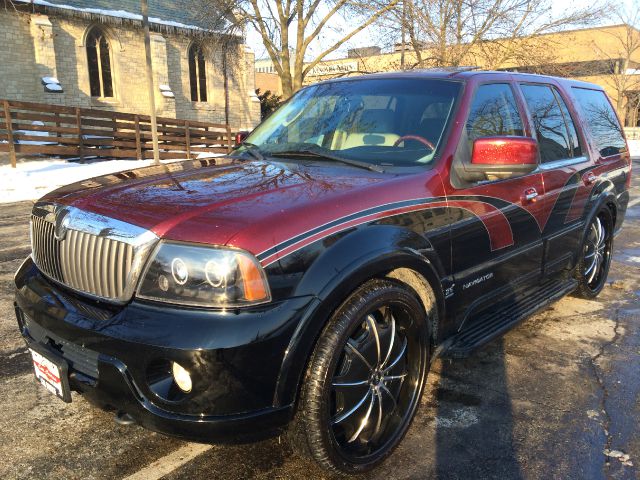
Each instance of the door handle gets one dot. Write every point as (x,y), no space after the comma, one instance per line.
(530,195)
(589,178)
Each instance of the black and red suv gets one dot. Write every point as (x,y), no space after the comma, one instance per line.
(310,278)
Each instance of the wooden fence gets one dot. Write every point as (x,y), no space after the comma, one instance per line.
(36,128)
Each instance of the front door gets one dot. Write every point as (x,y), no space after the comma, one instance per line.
(496,235)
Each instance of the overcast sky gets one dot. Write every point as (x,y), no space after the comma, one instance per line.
(368,37)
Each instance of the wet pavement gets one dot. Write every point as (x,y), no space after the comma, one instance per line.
(558,397)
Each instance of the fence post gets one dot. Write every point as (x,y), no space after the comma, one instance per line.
(138,144)
(12,147)
(229,144)
(79,130)
(187,137)
(58,124)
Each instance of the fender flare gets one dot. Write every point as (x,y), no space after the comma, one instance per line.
(601,196)
(336,273)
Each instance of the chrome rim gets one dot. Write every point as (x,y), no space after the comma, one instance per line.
(375,384)
(596,253)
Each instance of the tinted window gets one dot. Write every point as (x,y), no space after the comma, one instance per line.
(549,123)
(602,121)
(573,133)
(494,113)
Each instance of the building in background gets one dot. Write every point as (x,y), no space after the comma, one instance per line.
(266,77)
(85,53)
(602,55)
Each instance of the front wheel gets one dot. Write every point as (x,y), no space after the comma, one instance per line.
(364,379)
(595,257)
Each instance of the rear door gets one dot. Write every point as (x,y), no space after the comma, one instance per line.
(496,240)
(563,163)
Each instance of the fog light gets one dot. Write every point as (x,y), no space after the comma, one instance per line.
(181,377)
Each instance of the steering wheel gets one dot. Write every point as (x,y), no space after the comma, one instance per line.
(420,139)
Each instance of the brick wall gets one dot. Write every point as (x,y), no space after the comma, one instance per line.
(30,51)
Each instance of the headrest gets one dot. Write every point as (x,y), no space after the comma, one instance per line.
(375,121)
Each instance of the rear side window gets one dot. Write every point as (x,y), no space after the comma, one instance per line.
(494,113)
(602,121)
(556,133)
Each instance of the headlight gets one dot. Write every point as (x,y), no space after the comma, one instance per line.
(204,276)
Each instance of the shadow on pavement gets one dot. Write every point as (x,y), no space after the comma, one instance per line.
(474,423)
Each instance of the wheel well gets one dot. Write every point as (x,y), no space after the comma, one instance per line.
(431,298)
(614,212)
(425,291)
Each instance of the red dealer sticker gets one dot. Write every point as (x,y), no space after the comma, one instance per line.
(49,375)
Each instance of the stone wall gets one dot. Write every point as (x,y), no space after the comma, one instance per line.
(34,46)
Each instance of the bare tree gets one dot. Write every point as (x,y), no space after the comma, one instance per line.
(489,33)
(622,50)
(290,28)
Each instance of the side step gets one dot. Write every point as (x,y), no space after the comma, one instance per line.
(501,317)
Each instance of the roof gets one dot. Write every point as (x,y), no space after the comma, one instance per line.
(178,14)
(462,73)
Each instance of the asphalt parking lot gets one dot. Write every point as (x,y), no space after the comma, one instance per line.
(558,397)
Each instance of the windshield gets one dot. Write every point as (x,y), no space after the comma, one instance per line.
(395,122)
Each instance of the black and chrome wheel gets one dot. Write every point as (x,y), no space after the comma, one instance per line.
(365,378)
(593,266)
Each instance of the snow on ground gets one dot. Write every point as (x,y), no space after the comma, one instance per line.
(634,147)
(32,179)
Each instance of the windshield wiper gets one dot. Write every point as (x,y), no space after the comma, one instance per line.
(252,149)
(328,156)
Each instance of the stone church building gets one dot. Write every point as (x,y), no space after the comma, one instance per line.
(84,53)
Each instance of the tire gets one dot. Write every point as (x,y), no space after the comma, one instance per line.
(595,256)
(352,377)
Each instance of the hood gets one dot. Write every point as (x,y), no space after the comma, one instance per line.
(213,201)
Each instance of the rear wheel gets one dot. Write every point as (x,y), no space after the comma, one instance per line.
(595,259)
(364,379)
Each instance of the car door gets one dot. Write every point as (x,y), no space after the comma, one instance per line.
(563,164)
(495,235)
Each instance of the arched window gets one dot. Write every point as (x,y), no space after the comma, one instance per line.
(99,59)
(197,74)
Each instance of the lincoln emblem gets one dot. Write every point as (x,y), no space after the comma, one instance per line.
(60,226)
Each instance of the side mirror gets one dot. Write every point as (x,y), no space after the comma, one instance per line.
(501,157)
(240,136)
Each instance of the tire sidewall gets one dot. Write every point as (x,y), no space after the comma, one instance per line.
(371,295)
(584,290)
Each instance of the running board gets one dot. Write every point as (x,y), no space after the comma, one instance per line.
(503,316)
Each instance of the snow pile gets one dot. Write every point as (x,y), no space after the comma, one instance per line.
(31,180)
(634,147)
(112,13)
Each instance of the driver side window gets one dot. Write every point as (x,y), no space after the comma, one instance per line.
(494,112)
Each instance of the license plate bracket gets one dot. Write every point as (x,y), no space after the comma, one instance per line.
(52,372)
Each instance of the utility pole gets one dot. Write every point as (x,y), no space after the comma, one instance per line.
(225,72)
(152,94)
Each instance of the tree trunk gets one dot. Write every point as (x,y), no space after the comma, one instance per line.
(287,85)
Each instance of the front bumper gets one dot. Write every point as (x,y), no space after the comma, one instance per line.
(119,358)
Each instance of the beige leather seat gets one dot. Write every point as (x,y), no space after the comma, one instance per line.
(373,127)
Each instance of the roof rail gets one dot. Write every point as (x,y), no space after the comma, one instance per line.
(453,70)
(456,70)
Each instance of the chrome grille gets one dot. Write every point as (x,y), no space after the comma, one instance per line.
(46,249)
(94,264)
(91,257)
